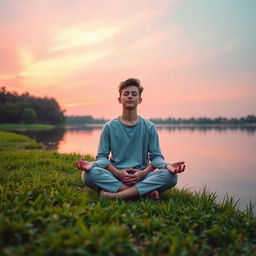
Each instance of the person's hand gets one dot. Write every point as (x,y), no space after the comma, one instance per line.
(177,167)
(123,174)
(84,165)
(132,178)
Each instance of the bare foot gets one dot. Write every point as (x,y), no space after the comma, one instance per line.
(154,195)
(104,193)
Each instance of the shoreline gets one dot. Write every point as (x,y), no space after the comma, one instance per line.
(25,127)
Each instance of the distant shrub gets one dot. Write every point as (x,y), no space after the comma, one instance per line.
(28,116)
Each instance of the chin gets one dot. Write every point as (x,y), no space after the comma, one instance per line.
(130,106)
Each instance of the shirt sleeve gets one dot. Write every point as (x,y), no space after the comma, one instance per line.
(155,155)
(102,158)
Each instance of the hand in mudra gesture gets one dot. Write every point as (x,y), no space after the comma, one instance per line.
(177,167)
(84,165)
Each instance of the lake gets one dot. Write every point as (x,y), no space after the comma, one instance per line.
(223,159)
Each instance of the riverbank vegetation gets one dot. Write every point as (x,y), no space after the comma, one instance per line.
(46,210)
(30,127)
(247,120)
(80,120)
(11,141)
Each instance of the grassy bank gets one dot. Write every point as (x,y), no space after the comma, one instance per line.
(12,127)
(45,210)
(11,141)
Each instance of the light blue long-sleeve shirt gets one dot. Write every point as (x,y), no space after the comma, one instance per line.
(129,146)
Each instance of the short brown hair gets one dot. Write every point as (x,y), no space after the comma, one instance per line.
(130,82)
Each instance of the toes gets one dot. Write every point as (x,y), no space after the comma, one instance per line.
(154,195)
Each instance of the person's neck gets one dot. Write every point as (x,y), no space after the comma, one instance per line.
(129,117)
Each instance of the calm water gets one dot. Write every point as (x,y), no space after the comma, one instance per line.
(223,160)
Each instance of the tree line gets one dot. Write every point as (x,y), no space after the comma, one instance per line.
(84,120)
(24,108)
(249,119)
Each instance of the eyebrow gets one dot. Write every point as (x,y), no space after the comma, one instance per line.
(130,91)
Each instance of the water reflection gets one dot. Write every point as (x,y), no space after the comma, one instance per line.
(223,161)
(249,129)
(84,127)
(50,138)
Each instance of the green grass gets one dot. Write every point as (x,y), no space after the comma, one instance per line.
(11,141)
(46,210)
(12,127)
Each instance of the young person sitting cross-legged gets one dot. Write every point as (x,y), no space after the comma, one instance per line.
(136,166)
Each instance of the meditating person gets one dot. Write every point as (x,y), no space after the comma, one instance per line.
(129,162)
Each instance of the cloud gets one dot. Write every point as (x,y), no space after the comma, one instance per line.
(88,102)
(218,94)
(7,77)
(50,71)
(77,36)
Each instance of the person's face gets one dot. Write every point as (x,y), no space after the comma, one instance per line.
(130,97)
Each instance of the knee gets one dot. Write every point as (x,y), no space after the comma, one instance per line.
(89,177)
(170,178)
(90,174)
(174,179)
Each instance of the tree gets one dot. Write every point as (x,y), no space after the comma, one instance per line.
(10,112)
(28,116)
(45,110)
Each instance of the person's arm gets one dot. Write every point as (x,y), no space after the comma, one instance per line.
(113,170)
(155,155)
(102,158)
(148,169)
(157,159)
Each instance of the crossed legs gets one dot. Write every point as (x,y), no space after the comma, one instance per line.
(124,190)
(152,184)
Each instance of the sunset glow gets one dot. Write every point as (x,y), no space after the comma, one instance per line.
(194,58)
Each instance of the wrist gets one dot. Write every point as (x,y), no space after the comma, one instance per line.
(144,172)
(166,166)
(116,173)
(91,165)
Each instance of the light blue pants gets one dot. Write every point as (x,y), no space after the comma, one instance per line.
(99,178)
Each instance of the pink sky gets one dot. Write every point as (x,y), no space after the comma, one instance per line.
(194,58)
